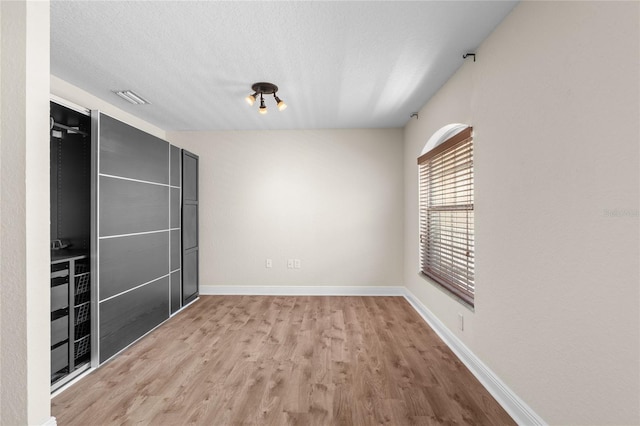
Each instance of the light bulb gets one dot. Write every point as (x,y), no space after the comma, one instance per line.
(251,99)
(263,108)
(281,104)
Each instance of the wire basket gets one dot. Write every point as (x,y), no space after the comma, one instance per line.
(82,289)
(82,283)
(82,346)
(83,329)
(81,268)
(83,313)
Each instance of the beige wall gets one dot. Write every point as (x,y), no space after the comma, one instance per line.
(554,101)
(331,198)
(24,217)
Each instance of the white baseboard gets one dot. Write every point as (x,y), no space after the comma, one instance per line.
(516,407)
(51,422)
(302,290)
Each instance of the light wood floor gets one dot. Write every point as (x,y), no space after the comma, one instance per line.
(262,360)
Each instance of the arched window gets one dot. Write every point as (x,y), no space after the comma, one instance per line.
(446,210)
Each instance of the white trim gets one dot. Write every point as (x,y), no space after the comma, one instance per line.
(443,134)
(72,382)
(170,214)
(51,422)
(512,404)
(95,290)
(180,220)
(106,237)
(302,290)
(68,104)
(134,180)
(184,307)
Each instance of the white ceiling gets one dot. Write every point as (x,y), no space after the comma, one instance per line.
(337,64)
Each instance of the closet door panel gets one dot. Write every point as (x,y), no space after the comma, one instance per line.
(127,317)
(138,222)
(128,207)
(190,229)
(175,166)
(127,262)
(190,177)
(132,153)
(175,249)
(190,276)
(175,208)
(175,291)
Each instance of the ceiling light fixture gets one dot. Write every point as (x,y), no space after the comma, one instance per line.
(131,97)
(265,89)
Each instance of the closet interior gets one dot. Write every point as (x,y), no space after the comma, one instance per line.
(70,196)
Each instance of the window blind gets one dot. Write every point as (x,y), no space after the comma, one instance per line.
(446,215)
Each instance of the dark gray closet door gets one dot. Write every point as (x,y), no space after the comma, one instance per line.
(134,234)
(189,227)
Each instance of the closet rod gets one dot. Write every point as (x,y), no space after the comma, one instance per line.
(68,128)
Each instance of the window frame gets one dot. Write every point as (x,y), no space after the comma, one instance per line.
(449,261)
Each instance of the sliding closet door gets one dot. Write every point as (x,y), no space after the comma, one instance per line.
(134,234)
(189,227)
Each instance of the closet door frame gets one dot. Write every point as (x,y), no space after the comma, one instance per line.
(74,371)
(93,282)
(95,163)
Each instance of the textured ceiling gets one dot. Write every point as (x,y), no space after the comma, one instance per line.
(337,64)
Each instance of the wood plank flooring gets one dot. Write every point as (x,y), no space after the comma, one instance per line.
(266,360)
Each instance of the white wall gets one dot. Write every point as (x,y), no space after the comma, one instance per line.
(24,214)
(554,101)
(331,198)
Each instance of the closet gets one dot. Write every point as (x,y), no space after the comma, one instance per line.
(120,265)
(70,215)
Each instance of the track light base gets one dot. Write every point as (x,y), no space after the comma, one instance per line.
(265,88)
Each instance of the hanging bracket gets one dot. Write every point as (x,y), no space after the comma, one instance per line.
(466,55)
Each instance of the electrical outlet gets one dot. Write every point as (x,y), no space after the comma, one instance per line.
(461,322)
(268,263)
(290,263)
(296,263)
